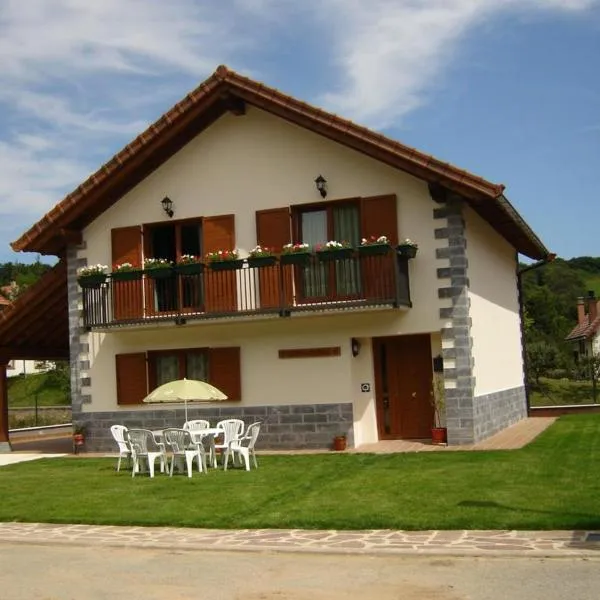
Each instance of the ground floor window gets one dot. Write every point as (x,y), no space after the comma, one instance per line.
(169,365)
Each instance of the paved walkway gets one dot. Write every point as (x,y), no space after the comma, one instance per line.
(375,542)
(11,458)
(516,436)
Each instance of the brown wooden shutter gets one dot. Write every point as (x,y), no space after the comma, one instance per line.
(127,295)
(379,216)
(132,386)
(273,230)
(225,371)
(218,233)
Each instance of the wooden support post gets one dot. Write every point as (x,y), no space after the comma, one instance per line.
(4,441)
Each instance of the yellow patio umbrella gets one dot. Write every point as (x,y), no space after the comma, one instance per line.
(185,390)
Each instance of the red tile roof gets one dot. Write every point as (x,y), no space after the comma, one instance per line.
(36,324)
(585,329)
(205,104)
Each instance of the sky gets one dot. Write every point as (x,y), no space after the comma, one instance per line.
(507,89)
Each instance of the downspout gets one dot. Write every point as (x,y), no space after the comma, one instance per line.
(541,263)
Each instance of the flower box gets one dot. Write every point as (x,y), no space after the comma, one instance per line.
(262,261)
(335,254)
(190,268)
(92,281)
(407,250)
(159,272)
(296,258)
(226,265)
(133,275)
(374,249)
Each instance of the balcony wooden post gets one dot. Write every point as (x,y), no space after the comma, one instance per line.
(4,441)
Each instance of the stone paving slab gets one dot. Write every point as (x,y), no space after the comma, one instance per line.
(376,542)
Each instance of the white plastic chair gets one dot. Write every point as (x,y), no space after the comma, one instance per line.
(144,446)
(196,424)
(118,433)
(244,446)
(182,446)
(232,430)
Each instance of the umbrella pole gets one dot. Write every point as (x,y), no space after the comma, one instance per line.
(185,404)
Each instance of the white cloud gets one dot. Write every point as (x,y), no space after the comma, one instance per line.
(80,78)
(389,51)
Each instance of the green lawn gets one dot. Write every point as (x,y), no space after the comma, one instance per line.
(554,483)
(561,392)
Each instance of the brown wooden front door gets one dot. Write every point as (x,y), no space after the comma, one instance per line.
(403,375)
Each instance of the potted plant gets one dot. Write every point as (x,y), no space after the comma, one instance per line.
(339,443)
(439,433)
(126,272)
(79,431)
(92,277)
(295,254)
(224,260)
(158,268)
(334,250)
(261,257)
(374,246)
(408,248)
(188,264)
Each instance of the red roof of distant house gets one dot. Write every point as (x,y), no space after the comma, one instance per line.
(225,91)
(585,329)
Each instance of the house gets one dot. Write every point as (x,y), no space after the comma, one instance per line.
(313,350)
(585,336)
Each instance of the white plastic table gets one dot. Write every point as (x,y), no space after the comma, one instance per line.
(198,435)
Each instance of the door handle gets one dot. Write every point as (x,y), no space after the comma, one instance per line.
(414,395)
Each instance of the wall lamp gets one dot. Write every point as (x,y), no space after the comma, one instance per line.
(321,184)
(355,347)
(167,205)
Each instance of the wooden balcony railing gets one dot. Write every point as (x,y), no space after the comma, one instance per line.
(244,289)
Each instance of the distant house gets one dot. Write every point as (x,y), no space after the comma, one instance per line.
(312,346)
(586,334)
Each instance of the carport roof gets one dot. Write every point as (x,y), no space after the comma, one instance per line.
(36,325)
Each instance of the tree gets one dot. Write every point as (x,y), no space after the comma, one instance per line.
(541,356)
(591,367)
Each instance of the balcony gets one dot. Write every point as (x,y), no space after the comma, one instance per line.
(351,283)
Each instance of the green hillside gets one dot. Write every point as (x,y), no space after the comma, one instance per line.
(51,389)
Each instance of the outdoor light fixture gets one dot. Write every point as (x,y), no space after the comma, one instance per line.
(355,345)
(167,205)
(321,184)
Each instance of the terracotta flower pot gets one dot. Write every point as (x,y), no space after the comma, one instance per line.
(339,443)
(439,435)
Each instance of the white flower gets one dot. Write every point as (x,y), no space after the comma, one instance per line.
(92,270)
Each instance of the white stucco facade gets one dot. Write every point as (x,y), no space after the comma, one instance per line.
(255,162)
(496,322)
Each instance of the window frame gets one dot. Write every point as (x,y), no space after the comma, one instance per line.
(181,354)
(297,210)
(178,223)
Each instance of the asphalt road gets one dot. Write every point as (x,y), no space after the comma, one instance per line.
(35,572)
